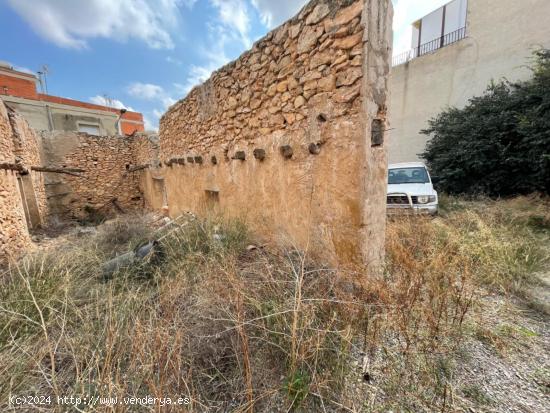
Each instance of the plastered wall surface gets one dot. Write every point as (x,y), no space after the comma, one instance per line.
(501,35)
(282,136)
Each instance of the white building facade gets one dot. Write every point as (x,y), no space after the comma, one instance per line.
(456,51)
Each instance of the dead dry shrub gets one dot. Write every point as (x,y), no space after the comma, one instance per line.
(254,329)
(437,269)
(231,329)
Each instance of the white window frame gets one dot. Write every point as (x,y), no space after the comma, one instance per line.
(88,124)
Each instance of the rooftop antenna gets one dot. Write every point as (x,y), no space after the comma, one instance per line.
(42,74)
(108,100)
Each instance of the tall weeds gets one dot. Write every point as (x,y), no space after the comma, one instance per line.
(249,329)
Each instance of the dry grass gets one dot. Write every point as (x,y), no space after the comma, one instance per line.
(239,330)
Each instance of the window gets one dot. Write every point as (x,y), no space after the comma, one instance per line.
(88,128)
(408,176)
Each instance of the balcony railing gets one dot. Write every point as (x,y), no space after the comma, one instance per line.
(429,47)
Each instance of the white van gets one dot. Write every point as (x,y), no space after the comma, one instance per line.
(410,189)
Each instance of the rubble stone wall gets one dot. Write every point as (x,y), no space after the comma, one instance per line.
(151,180)
(290,136)
(107,185)
(27,151)
(18,145)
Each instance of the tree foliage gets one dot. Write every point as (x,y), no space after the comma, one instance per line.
(499,143)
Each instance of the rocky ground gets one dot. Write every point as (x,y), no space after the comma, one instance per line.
(507,366)
(503,366)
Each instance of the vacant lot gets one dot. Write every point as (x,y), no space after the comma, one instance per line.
(457,322)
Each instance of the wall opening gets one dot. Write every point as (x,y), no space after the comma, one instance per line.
(377,132)
(159,191)
(212,200)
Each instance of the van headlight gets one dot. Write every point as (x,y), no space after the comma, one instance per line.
(425,199)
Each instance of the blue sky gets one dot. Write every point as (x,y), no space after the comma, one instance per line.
(146,54)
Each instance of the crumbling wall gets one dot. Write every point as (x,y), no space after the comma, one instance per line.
(151,181)
(27,151)
(146,149)
(290,137)
(107,184)
(22,195)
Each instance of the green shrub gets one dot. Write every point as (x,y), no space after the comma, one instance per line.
(499,143)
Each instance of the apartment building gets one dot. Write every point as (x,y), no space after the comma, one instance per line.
(456,51)
(53,113)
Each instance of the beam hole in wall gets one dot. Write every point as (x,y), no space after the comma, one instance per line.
(198,159)
(127,166)
(314,148)
(286,151)
(214,160)
(240,155)
(377,132)
(259,154)
(190,159)
(322,118)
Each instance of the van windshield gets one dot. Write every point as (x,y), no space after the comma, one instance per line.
(408,176)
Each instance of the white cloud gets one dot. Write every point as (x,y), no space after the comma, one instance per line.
(232,23)
(167,101)
(189,3)
(158,113)
(234,15)
(150,125)
(149,91)
(69,23)
(200,73)
(274,13)
(109,102)
(179,88)
(173,60)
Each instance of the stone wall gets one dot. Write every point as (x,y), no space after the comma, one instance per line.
(27,151)
(22,194)
(290,137)
(151,180)
(107,185)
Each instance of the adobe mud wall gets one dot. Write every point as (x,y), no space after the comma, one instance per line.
(291,136)
(22,194)
(107,184)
